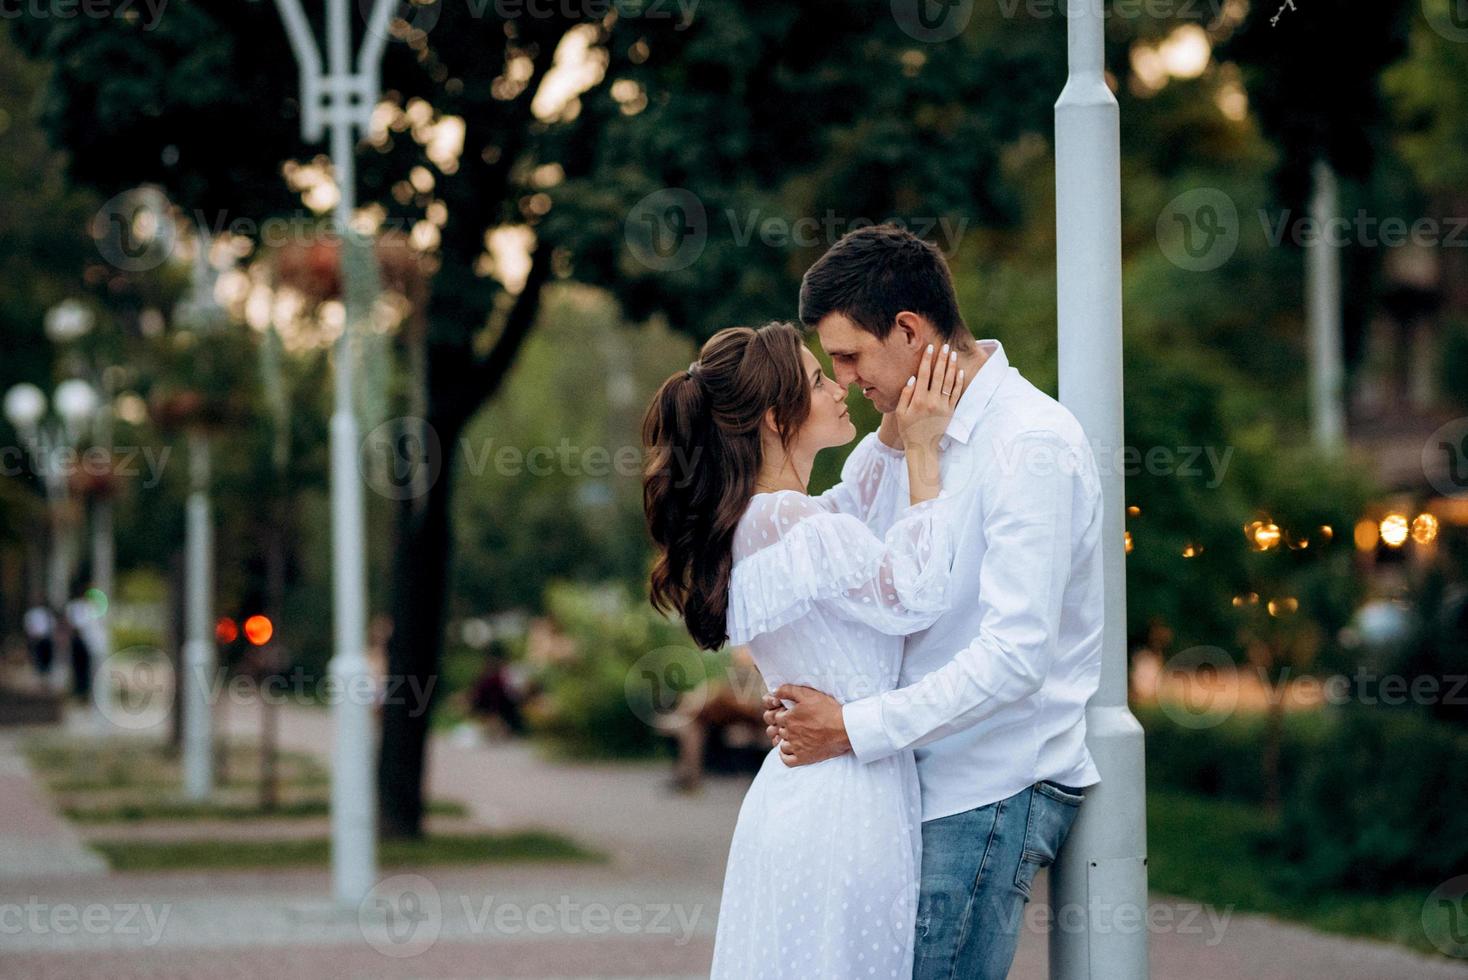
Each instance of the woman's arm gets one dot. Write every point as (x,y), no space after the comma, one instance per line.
(923,411)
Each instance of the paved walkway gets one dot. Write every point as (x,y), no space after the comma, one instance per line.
(649,913)
(34,841)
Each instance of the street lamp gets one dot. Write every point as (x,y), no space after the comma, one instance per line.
(76,402)
(25,408)
(1099,882)
(198,311)
(68,321)
(338,103)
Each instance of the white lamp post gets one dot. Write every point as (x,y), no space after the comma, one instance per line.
(199,311)
(25,406)
(1323,315)
(68,321)
(103,561)
(340,100)
(1099,884)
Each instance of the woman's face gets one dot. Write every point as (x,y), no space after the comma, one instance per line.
(829,422)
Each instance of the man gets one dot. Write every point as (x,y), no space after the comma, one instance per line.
(993,695)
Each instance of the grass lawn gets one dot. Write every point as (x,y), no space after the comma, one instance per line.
(74,764)
(463,849)
(1211,851)
(166,809)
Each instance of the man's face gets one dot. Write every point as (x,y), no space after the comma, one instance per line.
(879,367)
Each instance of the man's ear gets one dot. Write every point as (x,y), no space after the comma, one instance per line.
(912,329)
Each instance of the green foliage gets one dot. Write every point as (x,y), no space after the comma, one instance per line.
(549,477)
(1454,371)
(43,223)
(588,709)
(1383,805)
(1373,796)
(1224,761)
(1217,852)
(1428,92)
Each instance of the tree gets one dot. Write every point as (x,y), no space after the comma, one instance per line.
(747,118)
(1314,80)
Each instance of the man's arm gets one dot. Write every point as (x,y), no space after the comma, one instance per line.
(1028,524)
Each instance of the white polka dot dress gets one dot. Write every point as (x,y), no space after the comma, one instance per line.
(822,876)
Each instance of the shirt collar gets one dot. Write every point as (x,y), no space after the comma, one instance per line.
(980,390)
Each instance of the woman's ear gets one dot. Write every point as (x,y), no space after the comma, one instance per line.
(768,426)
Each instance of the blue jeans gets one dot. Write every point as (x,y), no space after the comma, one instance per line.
(978,868)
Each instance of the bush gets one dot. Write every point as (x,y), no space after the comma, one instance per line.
(1383,805)
(591,708)
(1374,798)
(1226,760)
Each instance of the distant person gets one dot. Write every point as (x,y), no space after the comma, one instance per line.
(498,692)
(40,630)
(81,614)
(724,711)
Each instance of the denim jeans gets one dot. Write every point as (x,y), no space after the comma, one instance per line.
(978,869)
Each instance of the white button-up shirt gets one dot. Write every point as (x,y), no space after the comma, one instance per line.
(993,695)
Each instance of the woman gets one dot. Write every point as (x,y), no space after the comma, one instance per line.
(822,873)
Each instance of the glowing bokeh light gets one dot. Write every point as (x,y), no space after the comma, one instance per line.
(259,630)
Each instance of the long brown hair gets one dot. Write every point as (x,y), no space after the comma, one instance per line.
(701,436)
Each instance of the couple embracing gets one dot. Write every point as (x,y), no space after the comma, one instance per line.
(930,627)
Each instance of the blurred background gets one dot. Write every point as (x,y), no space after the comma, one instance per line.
(553,204)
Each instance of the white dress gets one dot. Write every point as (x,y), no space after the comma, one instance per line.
(822,877)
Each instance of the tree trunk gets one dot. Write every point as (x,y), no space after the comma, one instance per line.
(458,385)
(415,648)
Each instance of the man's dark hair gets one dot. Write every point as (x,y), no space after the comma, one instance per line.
(873,274)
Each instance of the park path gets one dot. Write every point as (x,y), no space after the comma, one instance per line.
(549,921)
(34,839)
